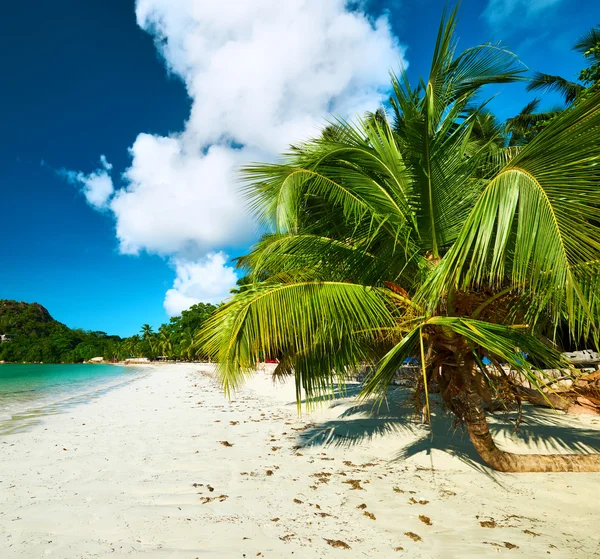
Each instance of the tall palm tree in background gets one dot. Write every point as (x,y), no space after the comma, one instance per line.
(146,332)
(149,345)
(186,344)
(422,237)
(164,343)
(522,128)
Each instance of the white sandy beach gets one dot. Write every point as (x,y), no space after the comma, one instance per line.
(143,471)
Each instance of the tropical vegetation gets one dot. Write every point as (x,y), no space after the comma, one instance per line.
(35,337)
(417,232)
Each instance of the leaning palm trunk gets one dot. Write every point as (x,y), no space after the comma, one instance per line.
(479,433)
(465,392)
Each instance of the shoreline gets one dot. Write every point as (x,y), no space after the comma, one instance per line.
(41,395)
(167,467)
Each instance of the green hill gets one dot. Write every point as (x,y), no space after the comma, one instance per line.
(26,319)
(36,337)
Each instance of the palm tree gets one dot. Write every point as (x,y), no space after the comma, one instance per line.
(411,238)
(523,127)
(146,332)
(165,341)
(150,343)
(121,350)
(132,346)
(589,46)
(186,343)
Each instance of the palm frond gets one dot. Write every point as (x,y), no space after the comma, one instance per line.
(457,79)
(378,383)
(523,127)
(588,42)
(275,319)
(362,173)
(535,223)
(546,82)
(369,260)
(435,123)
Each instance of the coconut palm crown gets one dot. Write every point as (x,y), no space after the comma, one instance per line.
(415,236)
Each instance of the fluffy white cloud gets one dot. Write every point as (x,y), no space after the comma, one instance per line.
(208,280)
(260,74)
(176,202)
(520,11)
(266,72)
(97,187)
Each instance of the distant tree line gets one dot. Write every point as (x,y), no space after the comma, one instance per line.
(175,339)
(34,336)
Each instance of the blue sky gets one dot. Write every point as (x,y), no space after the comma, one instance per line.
(167,92)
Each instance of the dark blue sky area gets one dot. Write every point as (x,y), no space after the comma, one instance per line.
(81,79)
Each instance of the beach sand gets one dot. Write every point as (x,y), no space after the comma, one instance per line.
(166,467)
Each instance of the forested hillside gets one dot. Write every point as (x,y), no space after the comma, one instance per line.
(34,336)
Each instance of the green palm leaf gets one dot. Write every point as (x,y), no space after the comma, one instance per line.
(292,318)
(546,82)
(534,224)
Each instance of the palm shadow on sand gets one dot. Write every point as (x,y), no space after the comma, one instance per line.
(548,431)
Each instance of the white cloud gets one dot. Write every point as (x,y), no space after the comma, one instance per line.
(260,74)
(208,280)
(176,202)
(518,11)
(266,72)
(97,187)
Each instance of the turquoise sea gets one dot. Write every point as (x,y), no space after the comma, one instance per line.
(28,393)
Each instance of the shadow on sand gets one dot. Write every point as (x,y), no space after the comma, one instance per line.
(546,430)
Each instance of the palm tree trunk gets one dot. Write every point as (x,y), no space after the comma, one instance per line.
(481,438)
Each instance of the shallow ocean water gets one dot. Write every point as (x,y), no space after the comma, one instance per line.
(28,393)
